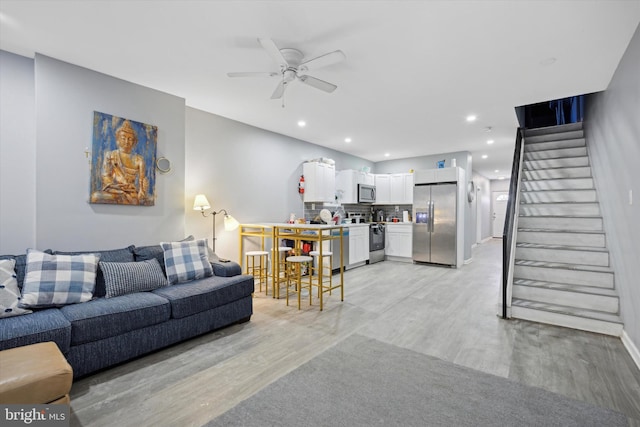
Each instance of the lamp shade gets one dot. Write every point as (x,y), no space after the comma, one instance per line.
(201,203)
(230,223)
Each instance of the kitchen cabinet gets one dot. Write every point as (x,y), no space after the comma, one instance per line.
(429,176)
(394,189)
(319,182)
(399,240)
(358,243)
(383,189)
(347,184)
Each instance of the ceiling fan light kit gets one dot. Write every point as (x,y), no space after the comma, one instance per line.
(293,68)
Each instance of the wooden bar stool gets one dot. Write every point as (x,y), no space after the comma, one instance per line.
(294,272)
(258,269)
(327,271)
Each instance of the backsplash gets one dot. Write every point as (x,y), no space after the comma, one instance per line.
(366,211)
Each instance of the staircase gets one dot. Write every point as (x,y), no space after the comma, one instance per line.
(562,273)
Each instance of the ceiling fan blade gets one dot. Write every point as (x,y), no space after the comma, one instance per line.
(323,61)
(274,52)
(253,74)
(277,94)
(318,84)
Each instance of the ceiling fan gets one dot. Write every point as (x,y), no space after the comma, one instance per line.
(292,67)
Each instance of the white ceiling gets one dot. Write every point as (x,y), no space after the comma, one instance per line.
(414,69)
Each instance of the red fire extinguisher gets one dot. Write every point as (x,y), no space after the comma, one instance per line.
(301,185)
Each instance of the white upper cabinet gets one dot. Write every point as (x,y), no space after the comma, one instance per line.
(319,182)
(347,184)
(394,189)
(383,189)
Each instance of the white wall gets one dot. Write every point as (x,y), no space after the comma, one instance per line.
(250,172)
(17,154)
(612,127)
(482,205)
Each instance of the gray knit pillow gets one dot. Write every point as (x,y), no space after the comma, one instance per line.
(122,278)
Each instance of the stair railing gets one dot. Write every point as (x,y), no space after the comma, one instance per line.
(511,223)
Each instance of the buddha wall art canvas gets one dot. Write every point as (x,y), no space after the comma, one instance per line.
(123,159)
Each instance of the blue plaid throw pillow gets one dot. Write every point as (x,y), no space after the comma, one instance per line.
(186,261)
(56,280)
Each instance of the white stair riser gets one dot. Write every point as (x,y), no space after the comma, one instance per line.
(560,136)
(578,224)
(605,303)
(553,130)
(554,154)
(560,209)
(557,184)
(561,275)
(595,240)
(568,162)
(565,256)
(581,323)
(558,196)
(530,146)
(558,172)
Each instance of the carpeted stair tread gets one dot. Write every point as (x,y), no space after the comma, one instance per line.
(594,290)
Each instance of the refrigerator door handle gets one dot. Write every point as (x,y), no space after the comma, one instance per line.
(432,211)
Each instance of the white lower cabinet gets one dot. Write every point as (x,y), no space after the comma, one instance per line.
(399,240)
(358,244)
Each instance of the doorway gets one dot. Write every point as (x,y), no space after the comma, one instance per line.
(499,200)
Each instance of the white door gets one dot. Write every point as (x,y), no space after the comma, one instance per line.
(499,201)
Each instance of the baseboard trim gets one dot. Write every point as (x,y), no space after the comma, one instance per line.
(468,261)
(631,348)
(486,239)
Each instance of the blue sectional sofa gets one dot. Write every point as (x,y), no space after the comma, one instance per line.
(106,331)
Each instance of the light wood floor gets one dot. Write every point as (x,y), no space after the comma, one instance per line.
(443,312)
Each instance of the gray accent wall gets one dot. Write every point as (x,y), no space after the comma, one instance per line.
(66,97)
(17,154)
(250,172)
(464,161)
(612,127)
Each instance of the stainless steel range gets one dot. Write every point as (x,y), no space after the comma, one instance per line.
(376,242)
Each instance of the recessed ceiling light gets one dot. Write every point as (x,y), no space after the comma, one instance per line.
(484,156)
(496,171)
(502,177)
(387,154)
(347,140)
(491,141)
(471,118)
(302,123)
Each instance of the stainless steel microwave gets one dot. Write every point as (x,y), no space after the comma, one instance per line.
(366,193)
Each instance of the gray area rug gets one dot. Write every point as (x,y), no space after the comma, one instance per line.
(364,382)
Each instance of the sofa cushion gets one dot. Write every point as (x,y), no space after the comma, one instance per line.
(21,265)
(9,291)
(39,326)
(226,269)
(111,255)
(123,278)
(56,280)
(108,317)
(143,253)
(186,261)
(204,294)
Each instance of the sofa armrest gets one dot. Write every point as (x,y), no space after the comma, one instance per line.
(226,269)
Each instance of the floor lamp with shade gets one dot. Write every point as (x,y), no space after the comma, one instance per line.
(230,223)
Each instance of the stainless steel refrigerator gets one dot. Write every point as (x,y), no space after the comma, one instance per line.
(434,223)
